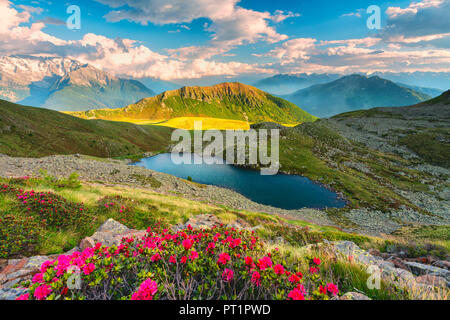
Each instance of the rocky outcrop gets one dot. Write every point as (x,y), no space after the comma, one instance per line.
(354,296)
(420,269)
(111,233)
(420,288)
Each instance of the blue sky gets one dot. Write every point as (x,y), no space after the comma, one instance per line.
(179,39)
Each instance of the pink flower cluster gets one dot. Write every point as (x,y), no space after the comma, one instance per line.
(206,255)
(146,291)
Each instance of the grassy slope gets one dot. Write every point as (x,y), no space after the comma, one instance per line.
(431,144)
(233,101)
(33,132)
(305,149)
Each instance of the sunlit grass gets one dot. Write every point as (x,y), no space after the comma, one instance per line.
(187,123)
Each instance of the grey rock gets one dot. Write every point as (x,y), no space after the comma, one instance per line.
(34,263)
(11,293)
(433,281)
(423,269)
(113,226)
(354,296)
(72,251)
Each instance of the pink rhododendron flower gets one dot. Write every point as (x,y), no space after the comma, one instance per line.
(89,268)
(187,244)
(42,291)
(173,259)
(296,294)
(316,261)
(333,289)
(45,265)
(146,290)
(25,296)
(227,275)
(223,258)
(37,278)
(256,278)
(294,278)
(278,269)
(313,270)
(322,289)
(183,259)
(156,257)
(264,263)
(193,255)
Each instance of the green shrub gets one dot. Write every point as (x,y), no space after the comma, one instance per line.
(53,209)
(18,236)
(71,182)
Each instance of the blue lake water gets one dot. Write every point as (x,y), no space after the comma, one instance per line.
(279,191)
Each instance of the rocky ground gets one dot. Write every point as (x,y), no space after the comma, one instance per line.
(422,278)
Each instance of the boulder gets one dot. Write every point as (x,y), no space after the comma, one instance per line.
(87,242)
(442,264)
(388,270)
(354,296)
(13,266)
(434,281)
(34,263)
(112,226)
(201,221)
(11,293)
(109,233)
(420,269)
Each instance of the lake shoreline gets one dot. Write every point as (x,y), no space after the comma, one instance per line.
(283,191)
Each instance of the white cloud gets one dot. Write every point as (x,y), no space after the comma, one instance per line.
(358,13)
(358,55)
(161,12)
(230,25)
(30,9)
(428,17)
(119,56)
(280,16)
(413,8)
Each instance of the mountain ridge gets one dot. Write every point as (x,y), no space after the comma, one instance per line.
(354,92)
(229,100)
(65,84)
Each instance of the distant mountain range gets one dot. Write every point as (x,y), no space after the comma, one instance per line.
(432,84)
(64,84)
(283,84)
(354,92)
(438,80)
(234,101)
